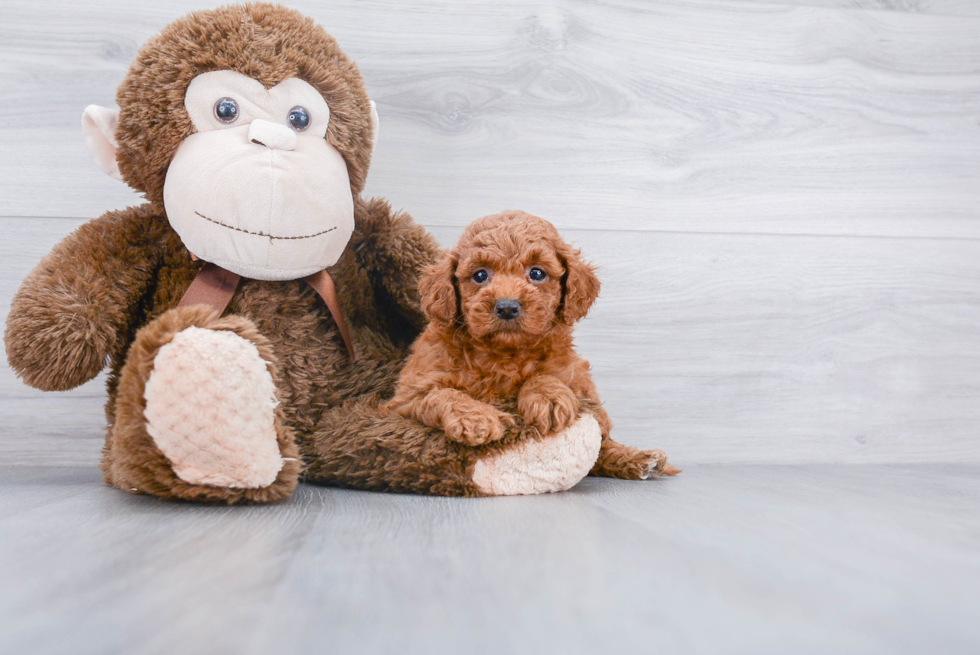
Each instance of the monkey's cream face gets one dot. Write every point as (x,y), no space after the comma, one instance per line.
(257,189)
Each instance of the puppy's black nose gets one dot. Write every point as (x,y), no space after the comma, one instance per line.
(507,309)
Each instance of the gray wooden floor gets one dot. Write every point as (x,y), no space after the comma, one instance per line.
(722,559)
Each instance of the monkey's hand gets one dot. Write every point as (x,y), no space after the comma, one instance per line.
(68,315)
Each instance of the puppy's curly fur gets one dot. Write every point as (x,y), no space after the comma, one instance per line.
(501,306)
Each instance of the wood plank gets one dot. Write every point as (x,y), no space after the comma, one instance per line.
(721,348)
(715,116)
(938,7)
(723,559)
(716,348)
(60,429)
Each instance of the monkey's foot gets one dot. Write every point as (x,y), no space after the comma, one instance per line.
(210,408)
(544,465)
(196,414)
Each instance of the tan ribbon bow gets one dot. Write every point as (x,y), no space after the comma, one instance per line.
(214,286)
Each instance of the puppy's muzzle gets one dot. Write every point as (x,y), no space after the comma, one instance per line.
(507,309)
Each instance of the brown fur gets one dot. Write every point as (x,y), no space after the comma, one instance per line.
(104,294)
(263,41)
(468,361)
(87,300)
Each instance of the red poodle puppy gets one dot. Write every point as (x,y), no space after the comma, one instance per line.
(501,306)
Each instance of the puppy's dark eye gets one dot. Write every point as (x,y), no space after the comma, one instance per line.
(481,276)
(226,110)
(537,274)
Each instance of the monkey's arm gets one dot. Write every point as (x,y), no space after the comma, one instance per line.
(393,249)
(77,304)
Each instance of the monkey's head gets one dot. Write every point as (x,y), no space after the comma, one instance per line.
(252,130)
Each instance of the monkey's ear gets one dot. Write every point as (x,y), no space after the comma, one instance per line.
(375,126)
(437,291)
(99,128)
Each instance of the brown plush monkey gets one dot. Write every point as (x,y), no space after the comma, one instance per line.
(250,134)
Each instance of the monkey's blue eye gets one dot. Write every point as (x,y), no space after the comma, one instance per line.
(537,274)
(299,118)
(226,110)
(481,276)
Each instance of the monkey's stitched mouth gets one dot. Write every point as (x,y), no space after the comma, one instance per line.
(261,234)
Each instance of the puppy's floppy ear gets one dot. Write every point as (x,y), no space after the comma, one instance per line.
(579,286)
(437,291)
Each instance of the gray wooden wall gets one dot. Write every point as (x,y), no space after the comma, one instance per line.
(783,197)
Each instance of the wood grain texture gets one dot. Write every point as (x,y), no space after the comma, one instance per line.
(933,7)
(783,198)
(708,116)
(723,559)
(716,348)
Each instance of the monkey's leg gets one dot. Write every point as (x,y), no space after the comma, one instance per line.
(361,445)
(196,414)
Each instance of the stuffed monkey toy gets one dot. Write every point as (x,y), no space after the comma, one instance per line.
(255,311)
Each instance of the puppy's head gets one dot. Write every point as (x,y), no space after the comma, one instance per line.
(510,278)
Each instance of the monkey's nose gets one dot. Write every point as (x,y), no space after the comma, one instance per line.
(271,135)
(507,309)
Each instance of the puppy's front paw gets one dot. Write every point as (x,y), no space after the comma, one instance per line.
(551,410)
(477,424)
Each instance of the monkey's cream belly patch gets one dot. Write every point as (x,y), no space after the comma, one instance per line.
(534,467)
(210,407)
